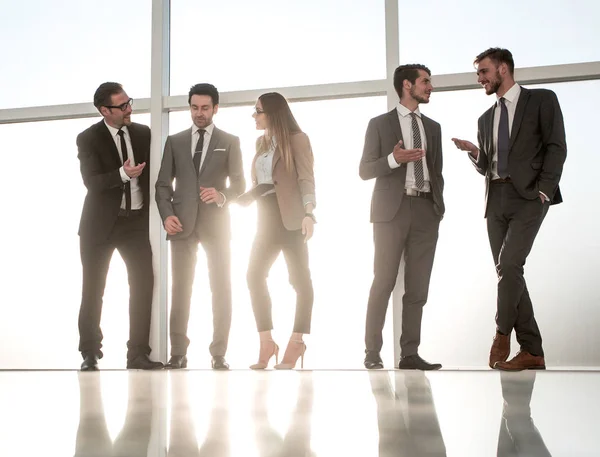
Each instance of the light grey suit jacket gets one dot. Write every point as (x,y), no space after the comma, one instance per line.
(223,160)
(383,133)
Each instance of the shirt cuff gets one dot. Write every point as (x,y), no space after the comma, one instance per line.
(392,161)
(124,176)
(220,205)
(309,198)
(545,196)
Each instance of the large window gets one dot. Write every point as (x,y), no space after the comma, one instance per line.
(268,43)
(61,51)
(538,32)
(40,280)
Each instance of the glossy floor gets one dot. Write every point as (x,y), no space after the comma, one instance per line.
(299,413)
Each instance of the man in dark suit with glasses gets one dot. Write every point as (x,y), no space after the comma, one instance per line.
(114,156)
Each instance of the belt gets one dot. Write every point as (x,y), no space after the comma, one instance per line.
(501,180)
(418,193)
(132,212)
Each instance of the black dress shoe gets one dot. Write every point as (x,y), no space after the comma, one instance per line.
(219,363)
(414,362)
(90,363)
(177,362)
(373,360)
(142,362)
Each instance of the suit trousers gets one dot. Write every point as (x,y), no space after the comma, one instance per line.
(413,232)
(513,223)
(271,239)
(130,237)
(183,265)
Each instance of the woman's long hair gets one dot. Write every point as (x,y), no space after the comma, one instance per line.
(282,125)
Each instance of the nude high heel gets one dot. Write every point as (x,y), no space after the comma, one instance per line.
(290,366)
(261,365)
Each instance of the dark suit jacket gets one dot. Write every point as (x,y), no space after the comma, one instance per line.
(223,160)
(99,163)
(383,133)
(537,147)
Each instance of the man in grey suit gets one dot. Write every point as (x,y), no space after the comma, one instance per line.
(403,151)
(521,153)
(199,159)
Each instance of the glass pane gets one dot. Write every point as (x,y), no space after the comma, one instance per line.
(562,269)
(341,252)
(537,32)
(60,52)
(268,43)
(40,284)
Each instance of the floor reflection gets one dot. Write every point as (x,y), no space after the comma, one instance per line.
(519,437)
(406,416)
(93,438)
(296,441)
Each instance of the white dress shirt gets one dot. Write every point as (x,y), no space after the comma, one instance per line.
(405,120)
(208,131)
(511,98)
(137,199)
(264,166)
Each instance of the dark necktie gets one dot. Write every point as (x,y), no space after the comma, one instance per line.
(127,189)
(419,175)
(198,151)
(503,140)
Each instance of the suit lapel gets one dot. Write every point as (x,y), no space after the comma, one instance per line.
(431,152)
(395,124)
(276,157)
(137,153)
(521,105)
(108,139)
(214,138)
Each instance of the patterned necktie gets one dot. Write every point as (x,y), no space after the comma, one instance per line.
(419,175)
(503,140)
(127,188)
(198,151)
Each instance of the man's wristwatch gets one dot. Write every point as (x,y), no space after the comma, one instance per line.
(312,216)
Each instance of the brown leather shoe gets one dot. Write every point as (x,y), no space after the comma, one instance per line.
(522,361)
(500,349)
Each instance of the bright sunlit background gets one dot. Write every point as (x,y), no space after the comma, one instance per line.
(65,49)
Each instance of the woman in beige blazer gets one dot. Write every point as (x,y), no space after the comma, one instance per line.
(284,159)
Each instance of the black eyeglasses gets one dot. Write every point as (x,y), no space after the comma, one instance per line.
(123,106)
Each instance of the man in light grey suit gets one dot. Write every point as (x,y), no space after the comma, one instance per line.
(403,151)
(199,159)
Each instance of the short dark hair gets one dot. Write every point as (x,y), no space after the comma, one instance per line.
(204,89)
(410,72)
(498,56)
(104,93)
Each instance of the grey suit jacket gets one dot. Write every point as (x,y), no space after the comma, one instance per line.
(537,147)
(223,160)
(383,133)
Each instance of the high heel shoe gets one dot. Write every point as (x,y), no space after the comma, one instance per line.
(290,366)
(261,365)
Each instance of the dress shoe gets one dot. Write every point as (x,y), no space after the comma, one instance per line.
(90,363)
(522,361)
(500,349)
(177,362)
(296,348)
(415,362)
(142,362)
(271,349)
(373,360)
(219,363)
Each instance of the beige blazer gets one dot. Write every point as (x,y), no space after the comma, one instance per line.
(296,187)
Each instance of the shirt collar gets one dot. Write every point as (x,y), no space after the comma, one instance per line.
(209,129)
(404,111)
(113,131)
(511,95)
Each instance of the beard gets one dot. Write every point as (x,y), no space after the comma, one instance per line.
(495,84)
(417,97)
